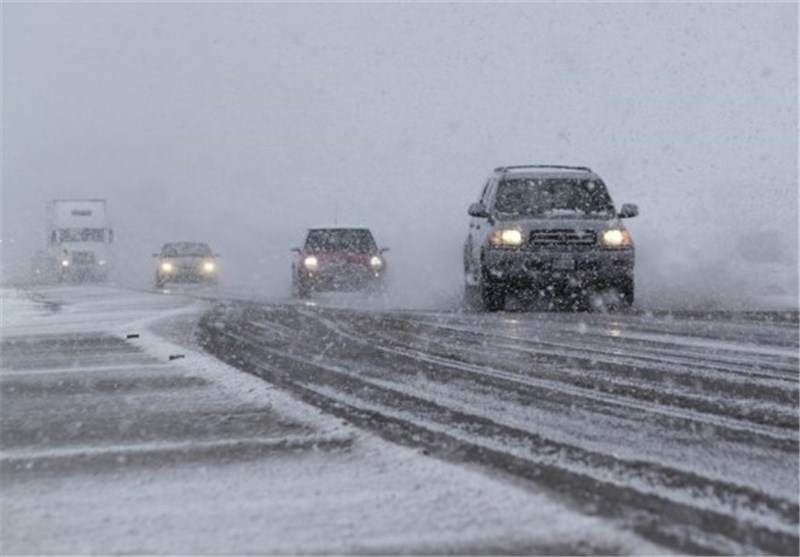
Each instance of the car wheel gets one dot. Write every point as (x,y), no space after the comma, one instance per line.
(302,289)
(471,297)
(612,297)
(492,294)
(626,290)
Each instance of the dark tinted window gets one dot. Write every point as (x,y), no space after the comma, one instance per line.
(553,197)
(340,239)
(188,249)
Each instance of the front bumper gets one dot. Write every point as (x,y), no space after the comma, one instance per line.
(541,268)
(187,274)
(351,278)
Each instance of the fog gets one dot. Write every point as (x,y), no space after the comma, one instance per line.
(243,124)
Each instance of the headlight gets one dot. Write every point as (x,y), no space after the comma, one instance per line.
(510,237)
(376,262)
(102,262)
(65,262)
(166,267)
(616,238)
(208,266)
(311,263)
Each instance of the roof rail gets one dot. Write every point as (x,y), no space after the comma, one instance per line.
(558,166)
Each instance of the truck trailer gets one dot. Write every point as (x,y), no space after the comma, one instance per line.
(79,238)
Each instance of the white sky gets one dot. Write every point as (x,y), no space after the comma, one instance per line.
(242,124)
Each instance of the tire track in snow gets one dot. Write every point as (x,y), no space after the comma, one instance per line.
(347,372)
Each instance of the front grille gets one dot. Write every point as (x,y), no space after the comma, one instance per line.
(563,237)
(82,257)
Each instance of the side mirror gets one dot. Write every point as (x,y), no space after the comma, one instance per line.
(628,210)
(477,210)
(217,255)
(297,250)
(381,250)
(156,254)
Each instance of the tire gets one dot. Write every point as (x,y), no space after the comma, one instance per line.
(471,296)
(471,300)
(612,297)
(302,290)
(491,294)
(626,291)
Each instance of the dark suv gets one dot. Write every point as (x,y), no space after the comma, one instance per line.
(550,231)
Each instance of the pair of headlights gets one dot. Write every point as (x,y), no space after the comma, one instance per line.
(511,237)
(311,263)
(208,267)
(65,262)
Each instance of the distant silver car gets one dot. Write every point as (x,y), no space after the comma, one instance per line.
(338,258)
(192,262)
(551,231)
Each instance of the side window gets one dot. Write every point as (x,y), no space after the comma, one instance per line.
(488,193)
(484,197)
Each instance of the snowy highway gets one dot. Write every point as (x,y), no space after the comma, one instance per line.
(683,426)
(400,278)
(364,429)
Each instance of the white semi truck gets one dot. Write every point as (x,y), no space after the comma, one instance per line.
(79,238)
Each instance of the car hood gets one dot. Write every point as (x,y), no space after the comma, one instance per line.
(529,224)
(341,257)
(184,258)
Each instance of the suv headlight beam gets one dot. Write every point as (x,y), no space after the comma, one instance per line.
(616,238)
(510,237)
(311,263)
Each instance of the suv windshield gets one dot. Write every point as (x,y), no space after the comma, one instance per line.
(342,239)
(553,197)
(186,249)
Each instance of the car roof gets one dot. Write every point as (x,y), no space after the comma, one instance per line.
(546,171)
(339,227)
(186,244)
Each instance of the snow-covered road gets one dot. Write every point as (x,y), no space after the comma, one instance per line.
(120,435)
(683,426)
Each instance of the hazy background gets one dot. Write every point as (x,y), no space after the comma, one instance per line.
(242,124)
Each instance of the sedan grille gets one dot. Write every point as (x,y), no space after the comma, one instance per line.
(563,237)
